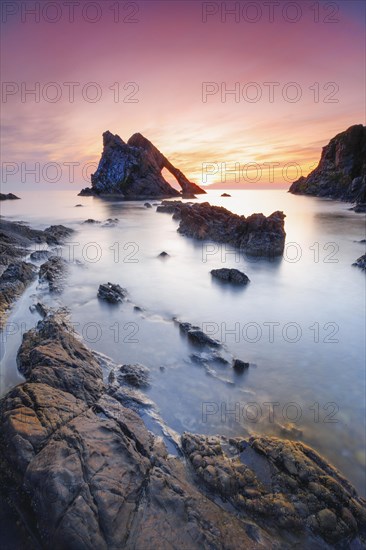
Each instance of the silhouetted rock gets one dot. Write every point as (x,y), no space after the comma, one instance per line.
(225,195)
(359,208)
(361,262)
(239,365)
(133,170)
(256,235)
(112,293)
(230,275)
(8,197)
(341,172)
(147,205)
(163,254)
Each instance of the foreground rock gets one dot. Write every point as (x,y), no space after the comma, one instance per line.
(8,197)
(361,262)
(80,470)
(282,485)
(256,235)
(112,293)
(341,172)
(230,275)
(133,170)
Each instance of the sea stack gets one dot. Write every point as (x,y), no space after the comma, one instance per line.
(132,170)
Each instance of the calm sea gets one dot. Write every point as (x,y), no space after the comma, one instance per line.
(300,322)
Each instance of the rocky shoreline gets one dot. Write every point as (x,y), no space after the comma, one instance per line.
(79,469)
(16,242)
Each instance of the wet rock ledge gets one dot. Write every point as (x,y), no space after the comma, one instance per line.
(16,239)
(79,470)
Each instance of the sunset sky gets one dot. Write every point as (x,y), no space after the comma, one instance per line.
(170,50)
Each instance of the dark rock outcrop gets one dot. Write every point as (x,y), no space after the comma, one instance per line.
(197,337)
(225,195)
(230,275)
(361,262)
(8,197)
(40,255)
(133,170)
(111,293)
(257,235)
(15,240)
(341,172)
(54,272)
(13,281)
(80,470)
(240,366)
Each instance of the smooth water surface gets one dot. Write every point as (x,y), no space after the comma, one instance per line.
(300,322)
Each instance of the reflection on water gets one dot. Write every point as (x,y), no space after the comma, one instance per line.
(299,322)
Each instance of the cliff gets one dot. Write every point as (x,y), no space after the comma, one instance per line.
(341,172)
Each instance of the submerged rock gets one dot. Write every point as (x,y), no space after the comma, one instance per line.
(8,197)
(240,366)
(112,293)
(133,170)
(341,172)
(230,275)
(361,262)
(91,221)
(197,337)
